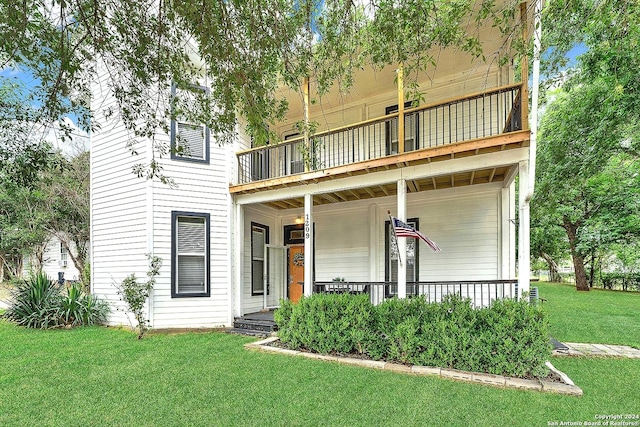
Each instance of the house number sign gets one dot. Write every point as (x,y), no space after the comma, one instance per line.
(307,227)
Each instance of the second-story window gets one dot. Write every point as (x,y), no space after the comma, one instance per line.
(189,140)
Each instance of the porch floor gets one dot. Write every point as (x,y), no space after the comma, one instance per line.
(260,315)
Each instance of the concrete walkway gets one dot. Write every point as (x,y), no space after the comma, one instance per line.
(597,350)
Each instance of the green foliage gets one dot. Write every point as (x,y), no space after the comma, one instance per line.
(623,281)
(35,303)
(326,323)
(508,338)
(250,50)
(82,309)
(589,134)
(135,294)
(40,303)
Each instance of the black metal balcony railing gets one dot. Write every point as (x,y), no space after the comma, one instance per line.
(481,292)
(476,116)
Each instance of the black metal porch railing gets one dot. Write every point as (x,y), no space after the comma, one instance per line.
(477,116)
(481,292)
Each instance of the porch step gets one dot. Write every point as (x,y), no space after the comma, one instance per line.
(254,327)
(249,332)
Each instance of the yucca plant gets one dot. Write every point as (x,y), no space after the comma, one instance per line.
(39,303)
(35,303)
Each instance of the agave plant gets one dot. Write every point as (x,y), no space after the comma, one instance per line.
(35,303)
(80,308)
(40,303)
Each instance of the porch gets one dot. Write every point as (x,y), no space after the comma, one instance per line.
(474,125)
(481,292)
(449,166)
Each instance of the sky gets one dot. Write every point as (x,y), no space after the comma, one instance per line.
(80,139)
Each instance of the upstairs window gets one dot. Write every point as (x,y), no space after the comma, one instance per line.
(190,271)
(189,141)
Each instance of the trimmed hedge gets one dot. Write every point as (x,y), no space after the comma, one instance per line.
(509,338)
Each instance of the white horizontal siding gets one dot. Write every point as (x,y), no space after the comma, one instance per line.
(118,206)
(200,188)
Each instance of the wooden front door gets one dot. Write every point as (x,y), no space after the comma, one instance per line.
(296,273)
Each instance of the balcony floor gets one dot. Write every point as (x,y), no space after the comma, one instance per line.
(483,175)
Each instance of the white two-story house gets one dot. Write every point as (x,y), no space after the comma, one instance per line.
(246,227)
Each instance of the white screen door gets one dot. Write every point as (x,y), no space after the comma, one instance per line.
(275,275)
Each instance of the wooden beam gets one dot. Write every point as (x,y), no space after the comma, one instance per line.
(433,180)
(368,190)
(384,190)
(330,197)
(473,174)
(493,172)
(400,109)
(307,145)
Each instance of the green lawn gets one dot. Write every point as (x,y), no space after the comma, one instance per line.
(104,376)
(597,316)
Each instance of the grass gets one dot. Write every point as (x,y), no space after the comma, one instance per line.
(598,316)
(105,376)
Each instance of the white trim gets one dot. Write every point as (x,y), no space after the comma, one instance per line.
(238,239)
(524,262)
(402,243)
(502,158)
(308,244)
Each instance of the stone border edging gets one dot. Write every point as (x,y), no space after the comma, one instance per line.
(567,387)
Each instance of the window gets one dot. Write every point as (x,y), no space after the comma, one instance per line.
(189,141)
(259,238)
(64,255)
(411,125)
(410,258)
(296,160)
(259,162)
(190,271)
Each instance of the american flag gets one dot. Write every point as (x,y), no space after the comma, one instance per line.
(403,229)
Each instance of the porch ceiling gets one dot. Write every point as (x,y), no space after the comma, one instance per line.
(483,175)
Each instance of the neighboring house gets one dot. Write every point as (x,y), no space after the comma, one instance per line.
(56,262)
(249,226)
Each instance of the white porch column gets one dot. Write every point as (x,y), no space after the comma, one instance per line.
(402,242)
(524,262)
(308,244)
(238,264)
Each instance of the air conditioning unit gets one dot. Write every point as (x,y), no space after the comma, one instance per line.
(62,263)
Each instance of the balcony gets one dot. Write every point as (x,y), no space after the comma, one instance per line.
(475,124)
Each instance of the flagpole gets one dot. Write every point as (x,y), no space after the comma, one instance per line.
(393,228)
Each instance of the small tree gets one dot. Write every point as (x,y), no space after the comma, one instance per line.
(135,294)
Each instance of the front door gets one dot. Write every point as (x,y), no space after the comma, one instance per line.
(296,273)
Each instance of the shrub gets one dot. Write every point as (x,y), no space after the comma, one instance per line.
(135,294)
(40,303)
(326,323)
(508,338)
